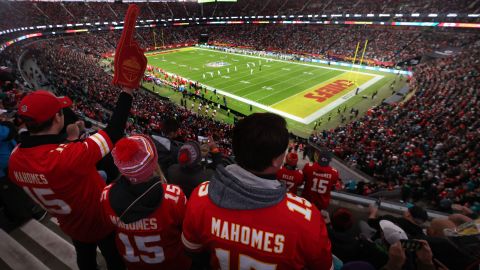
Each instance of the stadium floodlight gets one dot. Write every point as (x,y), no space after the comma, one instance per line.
(384,15)
(370,15)
(253,17)
(337,15)
(324,16)
(300,16)
(309,15)
(399,15)
(268,17)
(415,14)
(452,15)
(291,16)
(316,16)
(275,16)
(357,15)
(473,15)
(432,15)
(347,15)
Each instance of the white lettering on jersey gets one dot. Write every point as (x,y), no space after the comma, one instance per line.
(256,238)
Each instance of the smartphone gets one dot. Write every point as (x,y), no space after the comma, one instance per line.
(411,245)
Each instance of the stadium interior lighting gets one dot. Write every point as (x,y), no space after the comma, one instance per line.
(452,15)
(384,15)
(370,15)
(324,16)
(357,15)
(432,15)
(415,14)
(398,15)
(473,15)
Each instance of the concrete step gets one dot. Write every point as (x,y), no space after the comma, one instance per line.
(39,245)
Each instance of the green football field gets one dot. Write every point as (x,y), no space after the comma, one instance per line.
(303,93)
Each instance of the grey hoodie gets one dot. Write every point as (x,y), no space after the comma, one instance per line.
(233,187)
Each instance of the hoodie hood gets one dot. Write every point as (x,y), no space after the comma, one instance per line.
(233,187)
(123,194)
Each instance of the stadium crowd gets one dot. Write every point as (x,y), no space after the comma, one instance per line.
(15,14)
(427,145)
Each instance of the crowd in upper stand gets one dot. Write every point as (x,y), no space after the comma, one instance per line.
(17,14)
(407,142)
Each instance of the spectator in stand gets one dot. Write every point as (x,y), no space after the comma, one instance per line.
(345,244)
(320,179)
(191,169)
(166,144)
(16,204)
(63,178)
(411,222)
(146,213)
(244,217)
(289,174)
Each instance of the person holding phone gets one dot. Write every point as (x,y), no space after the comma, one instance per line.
(402,252)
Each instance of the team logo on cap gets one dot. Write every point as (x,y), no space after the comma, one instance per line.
(24,108)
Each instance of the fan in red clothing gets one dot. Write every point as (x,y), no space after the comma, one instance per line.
(244,218)
(147,214)
(289,174)
(62,177)
(320,179)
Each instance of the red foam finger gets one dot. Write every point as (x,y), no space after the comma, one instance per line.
(129,24)
(130,62)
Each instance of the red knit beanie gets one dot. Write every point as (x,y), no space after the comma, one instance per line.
(136,158)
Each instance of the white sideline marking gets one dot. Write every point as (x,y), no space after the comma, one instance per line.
(310,118)
(340,100)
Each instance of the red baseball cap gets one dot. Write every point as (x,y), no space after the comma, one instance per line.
(42,105)
(292,159)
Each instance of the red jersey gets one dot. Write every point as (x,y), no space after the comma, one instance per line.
(292,178)
(288,235)
(62,178)
(319,181)
(154,241)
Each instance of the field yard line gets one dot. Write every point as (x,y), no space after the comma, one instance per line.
(248,75)
(288,88)
(306,90)
(340,100)
(261,106)
(289,62)
(271,77)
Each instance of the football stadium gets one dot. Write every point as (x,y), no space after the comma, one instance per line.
(240,134)
(312,90)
